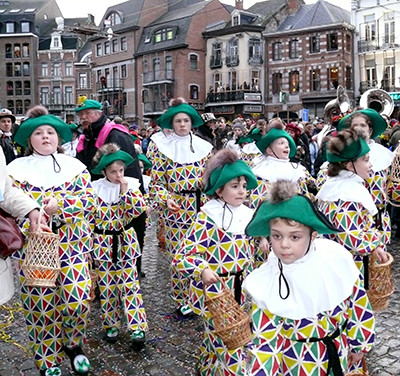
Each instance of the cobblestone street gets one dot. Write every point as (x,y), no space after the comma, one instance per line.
(171,343)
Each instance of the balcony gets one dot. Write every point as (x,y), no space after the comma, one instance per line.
(158,76)
(154,107)
(383,43)
(232,61)
(255,60)
(235,96)
(110,85)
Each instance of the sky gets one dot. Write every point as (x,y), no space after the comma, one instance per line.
(81,8)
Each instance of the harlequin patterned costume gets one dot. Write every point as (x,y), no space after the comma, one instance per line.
(349,206)
(178,177)
(249,152)
(116,249)
(56,317)
(291,342)
(230,255)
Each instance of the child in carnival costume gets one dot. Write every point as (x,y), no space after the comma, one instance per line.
(370,124)
(56,317)
(277,147)
(216,249)
(309,316)
(178,165)
(116,248)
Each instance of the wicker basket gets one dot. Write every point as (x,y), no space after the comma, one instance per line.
(380,283)
(232,323)
(42,261)
(363,372)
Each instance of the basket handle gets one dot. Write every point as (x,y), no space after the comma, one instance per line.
(220,280)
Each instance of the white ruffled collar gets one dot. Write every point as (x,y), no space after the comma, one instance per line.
(232,219)
(110,192)
(183,149)
(40,170)
(380,157)
(251,148)
(7,134)
(272,169)
(318,282)
(347,186)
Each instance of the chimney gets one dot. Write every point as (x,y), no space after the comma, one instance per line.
(239,4)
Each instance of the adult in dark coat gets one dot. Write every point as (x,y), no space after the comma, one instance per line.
(7,119)
(98,130)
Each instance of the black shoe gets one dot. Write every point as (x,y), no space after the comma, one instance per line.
(79,362)
(142,275)
(111,335)
(138,339)
(52,371)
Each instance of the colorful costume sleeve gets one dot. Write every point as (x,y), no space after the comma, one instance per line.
(132,204)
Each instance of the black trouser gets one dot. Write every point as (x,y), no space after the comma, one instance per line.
(139,224)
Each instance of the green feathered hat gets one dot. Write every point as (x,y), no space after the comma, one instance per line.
(107,159)
(165,120)
(379,124)
(273,135)
(298,208)
(89,104)
(146,163)
(220,176)
(355,150)
(26,129)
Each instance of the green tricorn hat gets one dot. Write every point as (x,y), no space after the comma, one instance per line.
(273,135)
(89,104)
(298,208)
(355,150)
(165,120)
(107,159)
(146,163)
(220,176)
(378,122)
(244,139)
(26,129)
(255,134)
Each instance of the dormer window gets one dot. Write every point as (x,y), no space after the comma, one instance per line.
(55,42)
(235,20)
(163,35)
(114,18)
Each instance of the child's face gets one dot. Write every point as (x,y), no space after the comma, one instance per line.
(234,192)
(44,140)
(279,148)
(359,123)
(182,124)
(290,242)
(362,166)
(114,172)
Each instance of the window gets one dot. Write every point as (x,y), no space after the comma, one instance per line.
(389,73)
(277,51)
(18,88)
(370,72)
(10,27)
(348,42)
(8,51)
(10,88)
(10,106)
(369,27)
(168,68)
(123,44)
(44,96)
(106,48)
(294,82)
(56,69)
(56,42)
(255,51)
(232,81)
(26,69)
(235,20)
(57,95)
(44,69)
(349,78)
(332,42)
(123,71)
(232,57)
(216,55)
(333,78)
(314,44)
(68,69)
(193,61)
(315,80)
(217,77)
(163,35)
(27,104)
(255,80)
(69,95)
(17,50)
(276,83)
(99,49)
(82,81)
(389,27)
(18,107)
(194,92)
(9,70)
(17,69)
(25,50)
(114,19)
(114,45)
(25,27)
(27,88)
(293,49)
